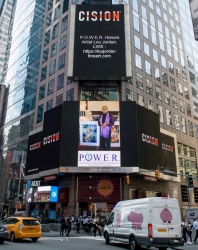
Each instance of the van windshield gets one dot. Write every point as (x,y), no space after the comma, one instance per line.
(111,219)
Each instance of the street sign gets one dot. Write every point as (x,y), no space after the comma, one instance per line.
(149,178)
(190,183)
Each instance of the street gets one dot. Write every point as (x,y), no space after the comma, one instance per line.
(73,243)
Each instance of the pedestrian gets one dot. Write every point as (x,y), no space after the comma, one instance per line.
(63,226)
(89,225)
(68,226)
(78,225)
(46,220)
(184,231)
(97,227)
(195,227)
(85,221)
(189,231)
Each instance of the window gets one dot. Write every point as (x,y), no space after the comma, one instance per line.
(176,55)
(139,82)
(43,73)
(188,109)
(172,84)
(135,5)
(175,5)
(140,100)
(148,67)
(146,49)
(170,66)
(59,100)
(166,97)
(158,11)
(178,30)
(182,59)
(176,121)
(55,31)
(45,55)
(191,129)
(40,113)
(168,118)
(158,91)
(61,61)
(52,67)
(178,73)
(172,24)
(152,20)
(50,87)
(157,73)
(70,95)
(176,17)
(129,94)
(180,44)
(153,37)
(160,112)
(159,26)
(50,4)
(180,89)
(165,18)
(136,24)
(165,78)
(150,105)
(145,30)
(49,19)
(54,49)
(181,105)
(183,122)
(194,93)
(138,61)
(149,87)
(161,41)
(64,23)
(168,48)
(63,42)
(60,81)
(57,12)
(49,105)
(192,78)
(163,4)
(186,93)
(137,42)
(170,11)
(174,102)
(184,77)
(155,55)
(42,92)
(167,33)
(47,38)
(163,61)
(144,15)
(151,4)
(173,38)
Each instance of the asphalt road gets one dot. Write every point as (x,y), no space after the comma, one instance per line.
(72,243)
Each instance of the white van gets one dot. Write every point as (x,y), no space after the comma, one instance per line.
(150,222)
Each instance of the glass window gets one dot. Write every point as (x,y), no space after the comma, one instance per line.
(151,4)
(176,121)
(160,26)
(144,15)
(160,112)
(158,11)
(145,30)
(158,91)
(170,66)
(149,87)
(163,4)
(170,11)
(182,59)
(60,81)
(136,24)
(172,24)
(178,73)
(157,73)
(194,94)
(152,20)
(175,5)
(148,67)
(168,118)
(49,105)
(174,102)
(167,33)
(40,113)
(45,55)
(129,94)
(181,105)
(180,89)
(176,55)
(135,5)
(172,84)
(173,38)
(139,82)
(184,77)
(163,61)
(64,23)
(188,109)
(146,49)
(178,30)
(50,4)
(54,49)
(165,18)
(47,37)
(191,129)
(137,42)
(186,93)
(138,61)
(49,19)
(57,12)
(153,37)
(59,99)
(155,55)
(52,67)
(140,100)
(50,87)
(55,31)
(180,44)
(183,122)
(166,97)
(43,73)
(42,92)
(169,49)
(161,41)
(176,17)
(63,42)
(165,78)
(70,95)
(192,78)
(61,61)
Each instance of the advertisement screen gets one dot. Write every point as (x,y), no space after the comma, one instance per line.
(99,134)
(194,15)
(99,42)
(42,194)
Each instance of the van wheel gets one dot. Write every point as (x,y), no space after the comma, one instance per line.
(12,237)
(133,245)
(107,240)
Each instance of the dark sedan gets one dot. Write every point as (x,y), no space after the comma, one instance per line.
(4,232)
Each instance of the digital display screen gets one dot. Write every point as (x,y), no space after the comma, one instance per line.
(42,194)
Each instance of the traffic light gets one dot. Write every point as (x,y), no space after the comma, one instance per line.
(157,174)
(127,179)
(19,206)
(190,182)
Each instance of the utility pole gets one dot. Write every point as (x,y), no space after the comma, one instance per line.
(184,163)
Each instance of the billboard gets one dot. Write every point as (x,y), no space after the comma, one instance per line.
(194,15)
(99,42)
(42,194)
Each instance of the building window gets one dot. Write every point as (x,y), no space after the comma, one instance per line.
(148,67)
(152,20)
(47,38)
(163,4)
(149,87)
(163,61)
(129,94)
(184,194)
(64,23)
(158,11)
(59,100)
(50,4)
(181,105)
(157,73)
(150,105)
(172,84)
(138,61)
(188,109)
(160,29)
(137,42)
(63,42)
(173,38)
(52,67)
(151,4)
(165,18)
(55,31)
(135,5)
(160,112)
(50,89)
(60,81)
(153,37)
(168,118)
(161,42)
(140,100)
(139,82)
(191,129)
(146,49)
(166,97)
(54,49)
(170,66)
(49,105)
(180,89)
(165,78)
(40,113)
(183,122)
(43,73)
(158,91)
(42,92)
(186,93)
(70,95)
(167,33)
(184,77)
(136,24)
(49,19)
(61,61)
(144,15)
(168,46)
(57,12)
(45,55)
(192,77)
(145,30)
(178,73)
(176,120)
(155,55)
(174,102)
(172,24)
(176,55)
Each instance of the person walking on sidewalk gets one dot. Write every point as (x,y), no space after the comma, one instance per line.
(195,227)
(68,226)
(78,220)
(184,231)
(189,232)
(97,228)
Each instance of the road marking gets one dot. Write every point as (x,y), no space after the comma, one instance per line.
(70,238)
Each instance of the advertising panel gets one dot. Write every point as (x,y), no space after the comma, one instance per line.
(99,134)
(98,188)
(99,42)
(194,15)
(42,194)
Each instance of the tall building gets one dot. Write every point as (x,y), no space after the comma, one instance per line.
(38,80)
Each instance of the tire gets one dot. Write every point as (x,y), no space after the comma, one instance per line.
(107,240)
(133,244)
(34,239)
(12,237)
(1,240)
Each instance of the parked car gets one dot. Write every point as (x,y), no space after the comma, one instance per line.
(23,227)
(4,233)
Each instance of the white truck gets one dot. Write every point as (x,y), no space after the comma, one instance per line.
(150,222)
(191,214)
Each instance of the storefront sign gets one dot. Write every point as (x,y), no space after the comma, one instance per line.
(149,178)
(50,178)
(36,184)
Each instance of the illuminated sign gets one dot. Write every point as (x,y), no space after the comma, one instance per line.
(42,194)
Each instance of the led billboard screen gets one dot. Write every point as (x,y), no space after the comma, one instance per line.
(42,194)
(194,15)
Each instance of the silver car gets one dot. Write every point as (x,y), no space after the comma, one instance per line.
(4,232)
